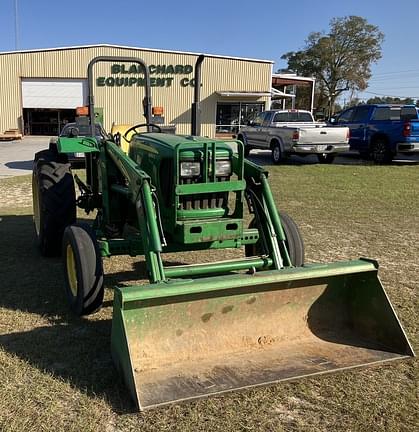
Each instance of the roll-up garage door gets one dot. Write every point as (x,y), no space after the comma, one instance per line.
(53,93)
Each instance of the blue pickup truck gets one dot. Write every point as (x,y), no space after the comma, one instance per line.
(381,131)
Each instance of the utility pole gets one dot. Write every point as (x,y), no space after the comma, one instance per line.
(16,27)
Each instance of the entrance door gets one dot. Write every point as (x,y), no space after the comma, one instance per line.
(41,121)
(50,103)
(231,116)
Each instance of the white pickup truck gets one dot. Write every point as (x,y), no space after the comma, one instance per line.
(287,132)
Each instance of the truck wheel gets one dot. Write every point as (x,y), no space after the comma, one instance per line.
(380,152)
(83,269)
(54,201)
(326,158)
(293,241)
(276,153)
(247,148)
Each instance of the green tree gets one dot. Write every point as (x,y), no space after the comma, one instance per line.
(390,100)
(339,60)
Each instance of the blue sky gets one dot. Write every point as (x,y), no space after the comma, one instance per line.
(243,28)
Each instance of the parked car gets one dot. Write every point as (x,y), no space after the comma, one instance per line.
(381,131)
(74,130)
(287,132)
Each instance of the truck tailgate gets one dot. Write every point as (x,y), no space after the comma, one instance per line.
(323,135)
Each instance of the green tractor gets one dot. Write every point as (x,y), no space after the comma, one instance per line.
(202,329)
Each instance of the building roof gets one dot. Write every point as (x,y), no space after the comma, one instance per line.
(133,48)
(280,94)
(290,79)
(235,93)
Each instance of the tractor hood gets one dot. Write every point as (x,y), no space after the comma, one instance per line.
(188,145)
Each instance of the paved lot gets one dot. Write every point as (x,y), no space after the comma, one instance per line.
(263,157)
(16,157)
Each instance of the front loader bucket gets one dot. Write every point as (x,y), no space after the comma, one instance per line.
(189,339)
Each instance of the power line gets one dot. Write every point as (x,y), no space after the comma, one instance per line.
(396,72)
(397,88)
(402,79)
(414,77)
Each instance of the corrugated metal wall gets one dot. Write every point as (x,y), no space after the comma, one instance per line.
(123,104)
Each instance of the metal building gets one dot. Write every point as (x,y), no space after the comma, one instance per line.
(41,89)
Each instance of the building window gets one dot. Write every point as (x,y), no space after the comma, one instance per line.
(231,116)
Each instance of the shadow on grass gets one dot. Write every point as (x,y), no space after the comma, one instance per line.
(30,283)
(78,352)
(76,349)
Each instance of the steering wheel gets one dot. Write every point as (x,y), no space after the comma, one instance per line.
(134,128)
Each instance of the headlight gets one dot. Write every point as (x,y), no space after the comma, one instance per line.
(223,168)
(190,169)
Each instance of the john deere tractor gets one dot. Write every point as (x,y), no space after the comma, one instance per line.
(201,329)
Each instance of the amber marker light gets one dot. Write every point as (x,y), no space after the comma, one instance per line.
(157,111)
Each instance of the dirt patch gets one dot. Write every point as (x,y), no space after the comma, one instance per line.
(16,192)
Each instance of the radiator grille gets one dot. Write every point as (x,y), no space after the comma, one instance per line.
(203,201)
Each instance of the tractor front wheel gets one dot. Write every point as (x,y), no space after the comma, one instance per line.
(293,240)
(83,269)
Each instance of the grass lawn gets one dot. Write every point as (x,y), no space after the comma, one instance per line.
(56,371)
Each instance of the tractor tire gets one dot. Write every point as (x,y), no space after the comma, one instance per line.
(276,153)
(327,158)
(54,200)
(380,152)
(293,241)
(83,269)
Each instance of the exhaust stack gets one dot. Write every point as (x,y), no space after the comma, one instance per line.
(196,108)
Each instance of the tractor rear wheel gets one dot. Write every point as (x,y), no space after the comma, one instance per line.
(54,200)
(293,241)
(83,269)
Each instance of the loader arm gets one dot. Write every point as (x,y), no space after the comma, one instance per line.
(138,190)
(261,199)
